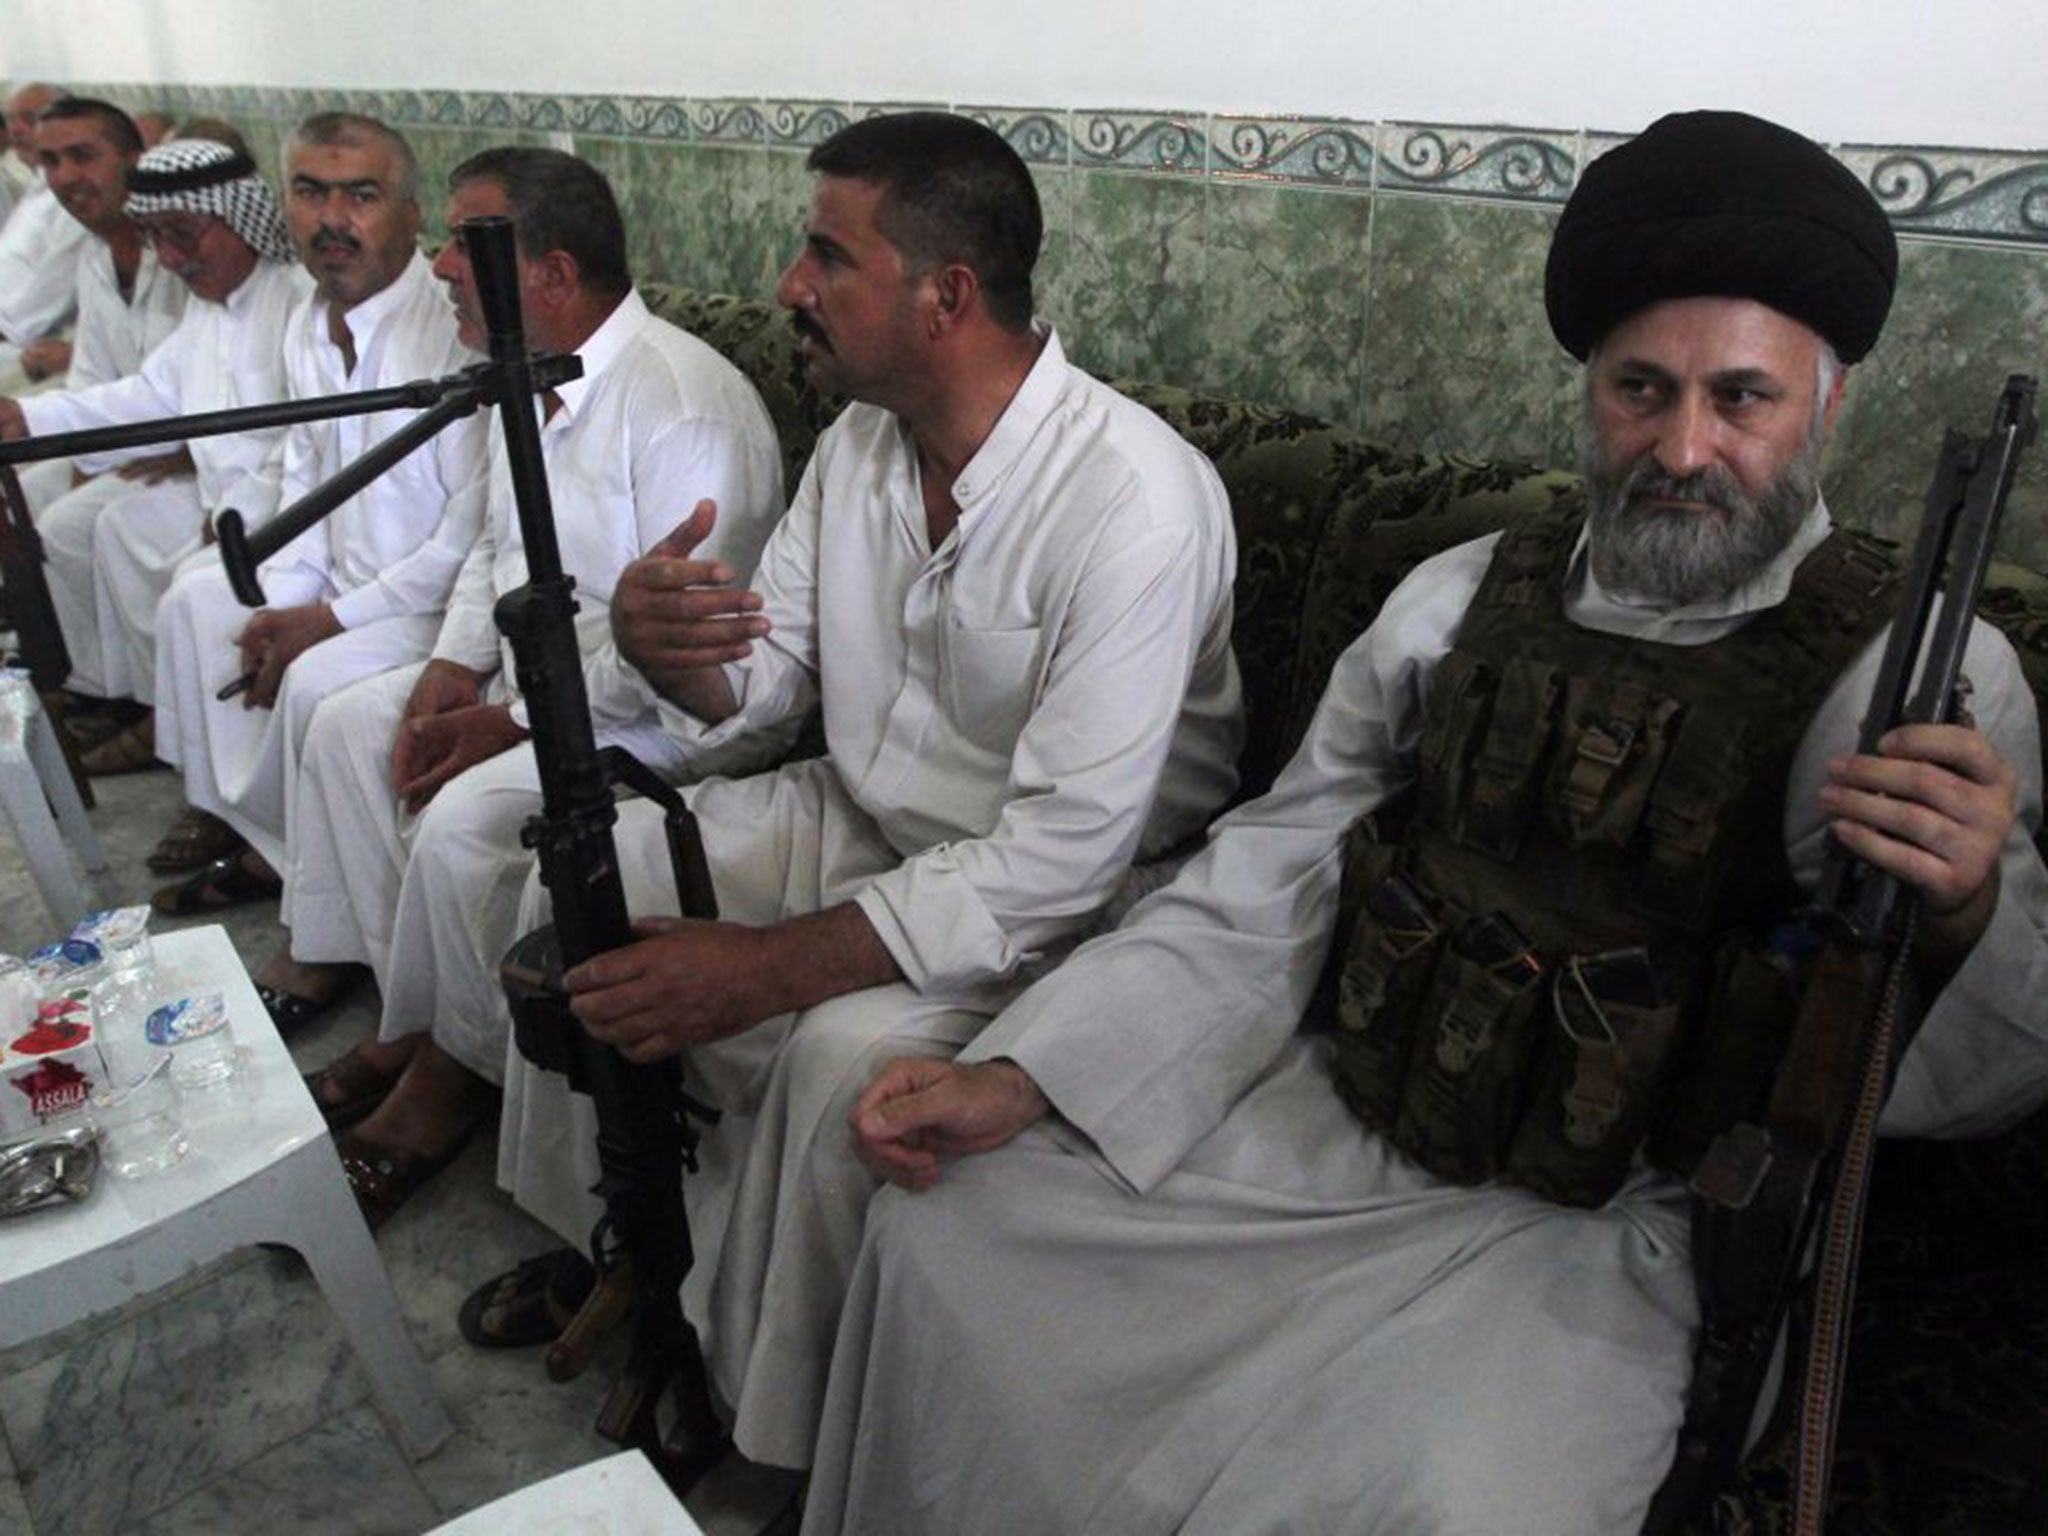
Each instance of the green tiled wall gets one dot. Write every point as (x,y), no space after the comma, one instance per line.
(1384,275)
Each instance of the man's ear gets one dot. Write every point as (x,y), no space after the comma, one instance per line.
(554,278)
(956,295)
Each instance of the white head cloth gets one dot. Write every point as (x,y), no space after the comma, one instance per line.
(200,176)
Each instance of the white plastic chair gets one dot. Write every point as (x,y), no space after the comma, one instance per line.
(38,798)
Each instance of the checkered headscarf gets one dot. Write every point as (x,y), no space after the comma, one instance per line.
(200,176)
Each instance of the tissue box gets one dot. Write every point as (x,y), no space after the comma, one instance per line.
(50,1069)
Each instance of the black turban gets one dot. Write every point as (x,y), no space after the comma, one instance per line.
(1728,205)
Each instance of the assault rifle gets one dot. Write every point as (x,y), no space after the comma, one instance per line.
(662,1404)
(1765,1196)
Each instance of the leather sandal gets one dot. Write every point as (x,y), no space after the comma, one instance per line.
(529,1304)
(360,1086)
(290,1010)
(384,1178)
(214,888)
(129,750)
(197,837)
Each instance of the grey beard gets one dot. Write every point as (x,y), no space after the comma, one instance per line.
(1678,558)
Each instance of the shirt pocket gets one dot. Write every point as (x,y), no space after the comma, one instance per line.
(989,680)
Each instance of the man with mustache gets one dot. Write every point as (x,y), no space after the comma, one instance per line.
(1156,1275)
(405,836)
(40,248)
(1009,589)
(127,303)
(364,590)
(214,223)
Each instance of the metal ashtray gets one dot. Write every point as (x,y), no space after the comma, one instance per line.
(50,1166)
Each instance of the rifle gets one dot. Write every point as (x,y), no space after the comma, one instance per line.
(43,650)
(662,1404)
(1765,1196)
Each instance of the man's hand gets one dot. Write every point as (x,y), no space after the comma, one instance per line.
(273,639)
(13,420)
(1933,808)
(46,358)
(684,982)
(159,468)
(687,982)
(435,748)
(919,1114)
(442,686)
(678,619)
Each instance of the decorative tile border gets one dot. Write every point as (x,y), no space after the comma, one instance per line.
(1306,151)
(1526,165)
(1956,191)
(1169,143)
(1974,194)
(1039,136)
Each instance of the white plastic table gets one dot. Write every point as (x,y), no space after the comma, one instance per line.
(262,1169)
(619,1496)
(38,798)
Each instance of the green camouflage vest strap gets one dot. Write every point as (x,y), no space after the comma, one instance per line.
(1566,950)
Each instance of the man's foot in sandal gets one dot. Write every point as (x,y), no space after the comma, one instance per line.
(529,1304)
(217,886)
(129,750)
(357,1081)
(197,837)
(384,1178)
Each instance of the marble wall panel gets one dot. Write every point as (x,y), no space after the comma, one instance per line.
(1458,355)
(1128,296)
(1965,317)
(1186,246)
(1284,297)
(439,150)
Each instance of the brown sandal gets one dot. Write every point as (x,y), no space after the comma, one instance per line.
(195,838)
(361,1086)
(384,1178)
(130,750)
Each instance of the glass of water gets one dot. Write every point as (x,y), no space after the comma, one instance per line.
(138,1124)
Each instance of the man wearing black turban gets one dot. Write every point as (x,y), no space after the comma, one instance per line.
(1181,1288)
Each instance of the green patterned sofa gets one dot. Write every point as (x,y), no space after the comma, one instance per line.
(1945,1429)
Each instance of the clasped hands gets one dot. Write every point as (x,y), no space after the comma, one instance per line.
(445,728)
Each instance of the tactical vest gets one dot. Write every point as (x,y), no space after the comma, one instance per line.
(1571,948)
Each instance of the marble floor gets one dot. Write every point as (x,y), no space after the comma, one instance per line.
(230,1402)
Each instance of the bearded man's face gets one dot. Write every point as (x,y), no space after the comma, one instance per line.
(1706,419)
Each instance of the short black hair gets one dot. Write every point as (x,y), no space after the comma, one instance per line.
(952,191)
(349,129)
(558,203)
(118,126)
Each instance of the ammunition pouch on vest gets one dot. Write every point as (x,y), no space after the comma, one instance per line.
(1569,948)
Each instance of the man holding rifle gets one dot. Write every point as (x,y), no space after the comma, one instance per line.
(1008,588)
(1190,1292)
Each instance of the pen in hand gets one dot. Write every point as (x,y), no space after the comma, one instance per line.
(239,685)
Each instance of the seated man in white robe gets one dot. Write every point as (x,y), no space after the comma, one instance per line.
(127,303)
(406,854)
(215,224)
(1010,589)
(361,592)
(39,253)
(1192,1292)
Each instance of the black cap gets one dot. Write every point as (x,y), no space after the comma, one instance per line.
(1723,204)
